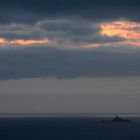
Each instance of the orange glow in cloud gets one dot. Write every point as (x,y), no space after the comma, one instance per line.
(28,42)
(4,41)
(129,31)
(111,44)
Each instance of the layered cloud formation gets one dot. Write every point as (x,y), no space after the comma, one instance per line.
(72,33)
(69,39)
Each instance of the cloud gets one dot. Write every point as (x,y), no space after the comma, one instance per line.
(30,12)
(60,32)
(127,30)
(84,38)
(67,64)
(71,33)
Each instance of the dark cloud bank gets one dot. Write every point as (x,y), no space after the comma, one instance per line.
(30,11)
(61,63)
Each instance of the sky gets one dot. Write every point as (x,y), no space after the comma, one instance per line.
(78,56)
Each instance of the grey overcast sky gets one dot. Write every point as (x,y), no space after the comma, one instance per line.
(78,56)
(82,95)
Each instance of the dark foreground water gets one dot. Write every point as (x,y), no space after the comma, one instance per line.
(67,129)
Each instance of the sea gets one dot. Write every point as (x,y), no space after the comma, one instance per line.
(67,127)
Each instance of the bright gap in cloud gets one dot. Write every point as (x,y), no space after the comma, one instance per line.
(127,30)
(24,42)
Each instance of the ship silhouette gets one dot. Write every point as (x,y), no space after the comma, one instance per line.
(117,119)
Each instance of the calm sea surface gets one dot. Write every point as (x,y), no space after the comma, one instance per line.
(67,128)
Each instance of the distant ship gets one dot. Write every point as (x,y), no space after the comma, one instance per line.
(117,119)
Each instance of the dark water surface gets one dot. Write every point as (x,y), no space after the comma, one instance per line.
(69,128)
